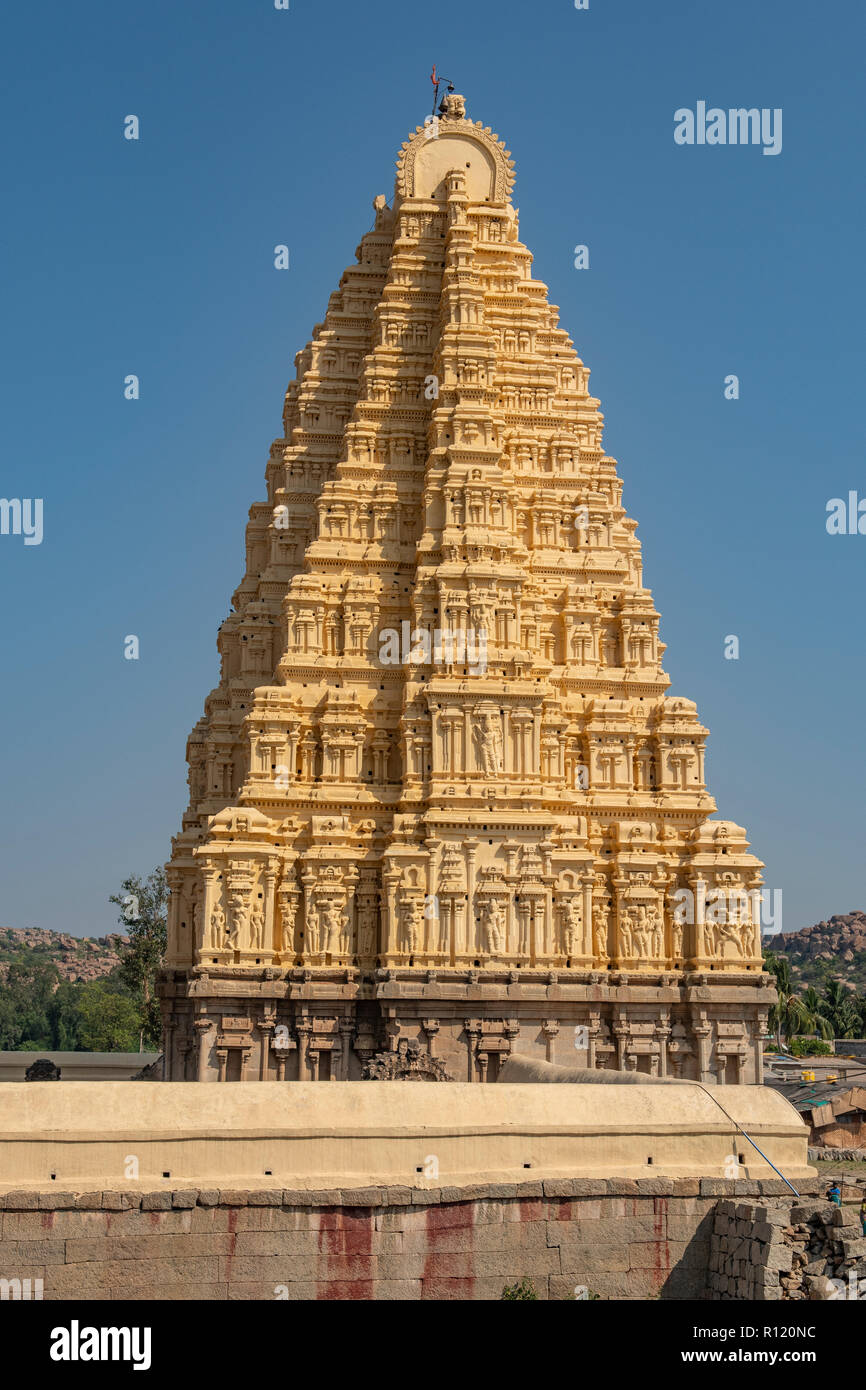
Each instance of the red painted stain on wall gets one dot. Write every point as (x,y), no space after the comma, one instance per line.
(346,1266)
(448,1274)
(531,1209)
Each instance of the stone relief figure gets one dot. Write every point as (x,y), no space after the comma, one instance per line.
(641,928)
(413,925)
(257,927)
(488,738)
(367,918)
(750,943)
(288,913)
(482,614)
(570,917)
(217,927)
(311,933)
(657,931)
(626,930)
(236,929)
(727,931)
(329,928)
(599,934)
(493,923)
(677,934)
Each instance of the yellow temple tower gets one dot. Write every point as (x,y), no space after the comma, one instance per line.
(441,808)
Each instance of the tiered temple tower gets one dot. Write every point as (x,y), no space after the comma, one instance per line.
(440,796)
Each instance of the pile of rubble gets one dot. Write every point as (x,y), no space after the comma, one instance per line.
(826,1244)
(789,1253)
(837,1155)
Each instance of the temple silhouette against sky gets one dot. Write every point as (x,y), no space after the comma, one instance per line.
(440,802)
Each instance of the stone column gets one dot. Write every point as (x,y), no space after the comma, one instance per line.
(758,1049)
(270,943)
(702,1037)
(202,1027)
(265,1029)
(473,1031)
(594,1029)
(390,879)
(168,1032)
(471,850)
(303,1029)
(662,1032)
(347,1029)
(550,1028)
(431,1028)
(586,945)
(430,944)
(211,892)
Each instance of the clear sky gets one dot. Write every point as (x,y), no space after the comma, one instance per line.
(155,257)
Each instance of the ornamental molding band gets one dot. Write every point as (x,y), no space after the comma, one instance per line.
(440,801)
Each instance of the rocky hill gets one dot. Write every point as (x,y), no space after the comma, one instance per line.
(835,948)
(76,957)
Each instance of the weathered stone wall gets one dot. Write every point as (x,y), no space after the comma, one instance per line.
(783,1252)
(620,1238)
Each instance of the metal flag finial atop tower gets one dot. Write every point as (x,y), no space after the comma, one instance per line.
(437,82)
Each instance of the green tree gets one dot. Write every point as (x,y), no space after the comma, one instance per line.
(143,915)
(109,1021)
(64,1017)
(25,998)
(840,1008)
(789,1014)
(820,1025)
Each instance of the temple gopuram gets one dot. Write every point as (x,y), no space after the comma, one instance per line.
(442,809)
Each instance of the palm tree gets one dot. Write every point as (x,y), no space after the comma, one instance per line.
(789,1014)
(840,1009)
(821,1026)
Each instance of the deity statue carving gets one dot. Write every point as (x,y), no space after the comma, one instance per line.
(677,935)
(217,927)
(412,918)
(257,927)
(627,924)
(236,930)
(571,918)
(311,930)
(493,923)
(599,933)
(488,738)
(656,923)
(367,922)
(330,925)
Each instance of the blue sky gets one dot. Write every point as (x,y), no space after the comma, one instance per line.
(155,257)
